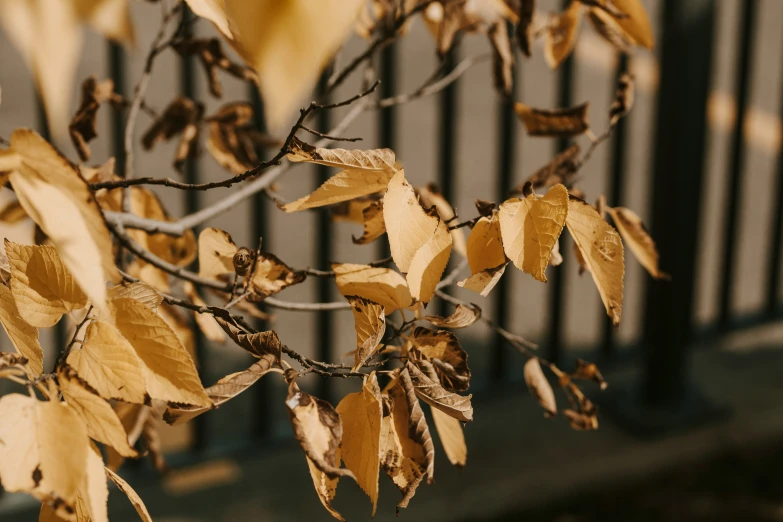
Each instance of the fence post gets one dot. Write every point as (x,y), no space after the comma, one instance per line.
(665,400)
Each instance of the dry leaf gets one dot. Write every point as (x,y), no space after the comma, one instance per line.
(581,421)
(436,396)
(375,160)
(143,293)
(19,455)
(462,317)
(633,231)
(42,286)
(168,369)
(134,498)
(325,487)
(233,138)
(526,11)
(606,26)
(449,361)
(539,386)
(451,437)
(590,372)
(215,12)
(272,275)
(216,252)
(623,99)
(109,364)
(502,59)
(206,322)
(634,22)
(94,492)
(561,34)
(289,44)
(344,186)
(485,246)
(83,126)
(381,285)
(428,264)
(212,57)
(181,117)
(530,228)
(102,422)
(361,414)
(370,321)
(560,170)
(602,251)
(418,429)
(570,121)
(374,225)
(484,281)
(263,345)
(23,336)
(431,197)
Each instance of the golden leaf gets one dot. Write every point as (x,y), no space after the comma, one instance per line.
(206,322)
(485,254)
(484,281)
(271,275)
(631,228)
(215,12)
(134,498)
(353,161)
(428,264)
(418,430)
(102,422)
(606,26)
(370,321)
(451,437)
(263,345)
(381,285)
(539,386)
(462,317)
(318,429)
(288,44)
(168,369)
(561,34)
(143,293)
(325,487)
(635,23)
(602,251)
(360,414)
(42,286)
(343,186)
(570,121)
(109,364)
(436,396)
(530,228)
(224,390)
(95,489)
(449,360)
(23,336)
(374,225)
(233,139)
(19,455)
(408,226)
(432,197)
(216,252)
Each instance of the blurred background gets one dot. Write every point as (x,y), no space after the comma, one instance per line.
(691,420)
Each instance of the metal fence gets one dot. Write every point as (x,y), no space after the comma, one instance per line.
(686,41)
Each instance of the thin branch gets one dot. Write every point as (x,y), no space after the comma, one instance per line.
(331,273)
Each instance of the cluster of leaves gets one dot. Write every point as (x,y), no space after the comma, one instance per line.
(107,255)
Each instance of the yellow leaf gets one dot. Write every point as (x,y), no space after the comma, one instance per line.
(102,422)
(143,293)
(428,264)
(95,489)
(485,246)
(530,228)
(463,316)
(370,321)
(111,18)
(216,252)
(325,487)
(356,160)
(215,12)
(636,23)
(206,322)
(381,285)
(561,34)
(539,386)
(19,450)
(638,239)
(109,364)
(343,186)
(271,275)
(602,251)
(42,286)
(436,396)
(361,415)
(23,336)
(374,226)
(408,226)
(288,44)
(168,369)
(483,282)
(451,437)
(134,498)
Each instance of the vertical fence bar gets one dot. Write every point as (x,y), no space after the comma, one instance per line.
(615,196)
(187,87)
(557,278)
(324,256)
(776,238)
(506,159)
(387,117)
(448,139)
(737,154)
(686,56)
(117,72)
(262,390)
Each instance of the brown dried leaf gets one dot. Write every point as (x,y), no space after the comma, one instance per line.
(560,170)
(23,336)
(212,57)
(581,421)
(272,275)
(381,285)
(216,251)
(361,414)
(526,11)
(370,321)
(418,429)
(343,186)
(539,386)
(134,498)
(570,121)
(325,487)
(449,360)
(463,316)
(373,160)
(623,99)
(152,439)
(602,250)
(530,228)
(606,26)
(374,225)
(633,231)
(263,345)
(318,429)
(436,396)
(589,372)
(502,59)
(561,34)
(181,117)
(83,126)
